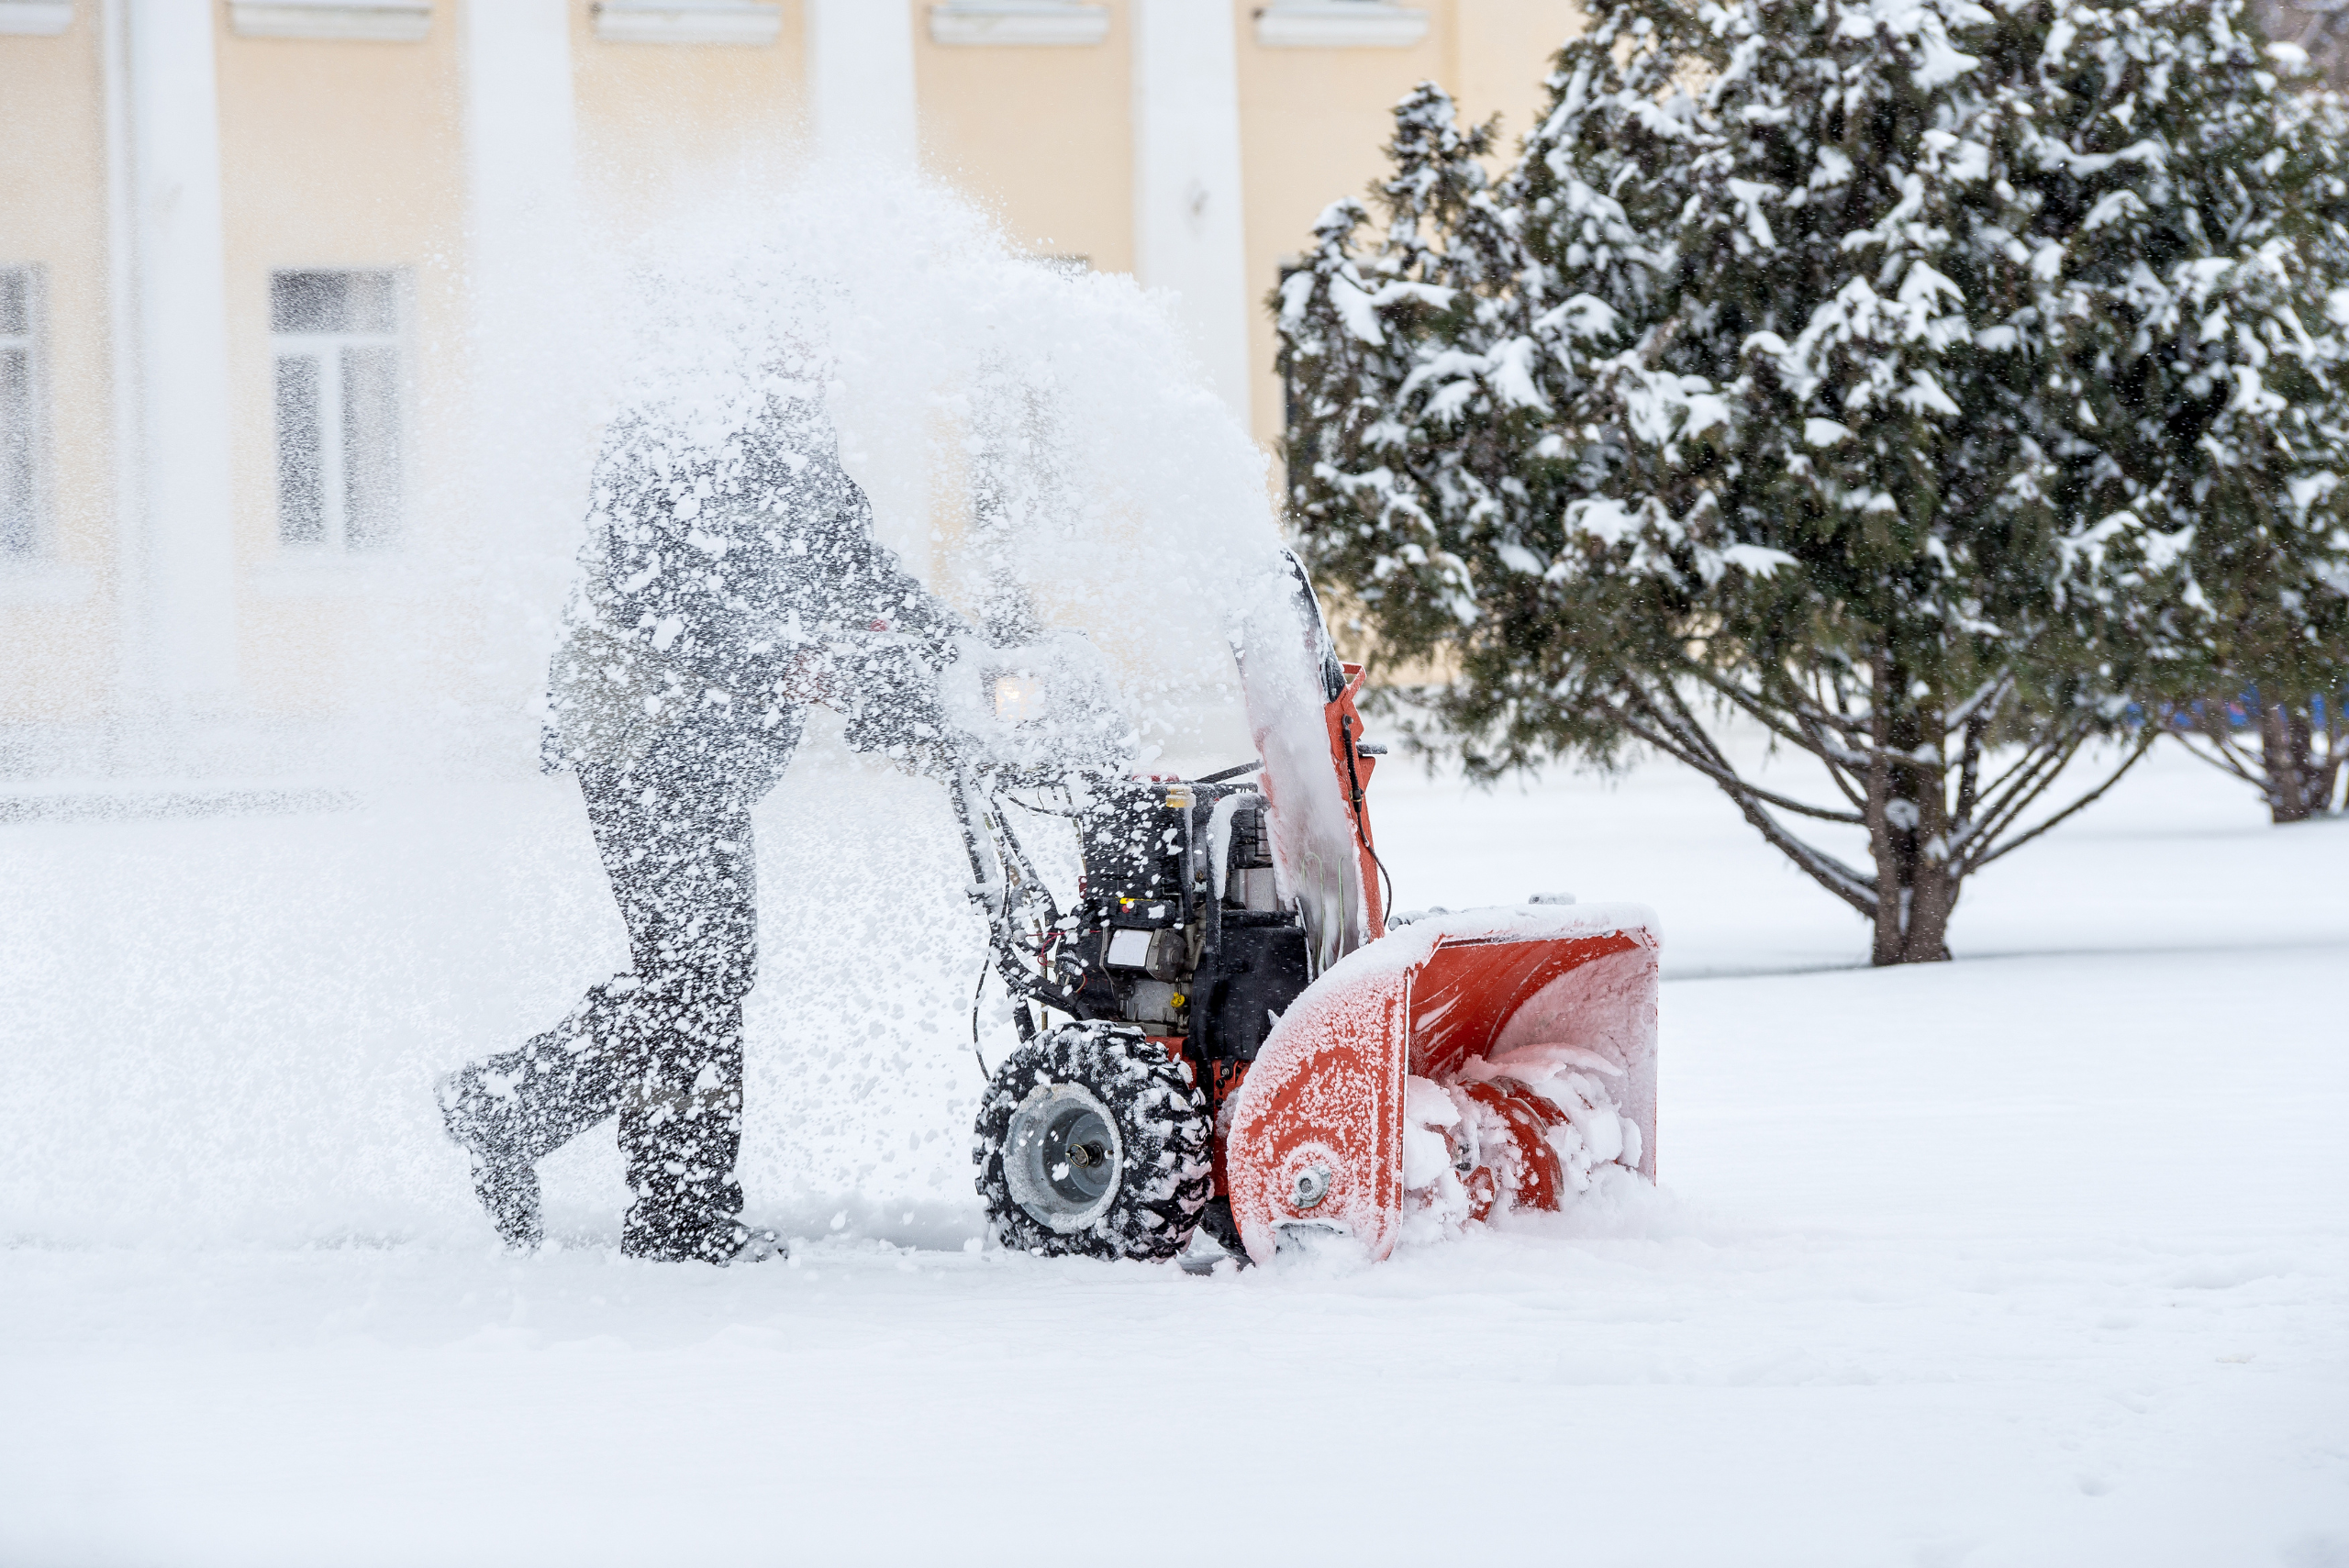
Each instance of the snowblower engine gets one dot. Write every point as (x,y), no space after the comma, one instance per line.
(1232,1037)
(1184,933)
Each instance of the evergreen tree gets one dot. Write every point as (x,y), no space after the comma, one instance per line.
(2290,750)
(1903,377)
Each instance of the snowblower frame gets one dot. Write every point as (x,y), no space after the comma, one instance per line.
(1275,1095)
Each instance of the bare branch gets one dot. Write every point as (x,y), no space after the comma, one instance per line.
(1850,780)
(2224,754)
(1791,700)
(1852,887)
(2019,785)
(2029,757)
(2033,759)
(1843,777)
(1970,769)
(2230,761)
(1680,719)
(2143,746)
(1725,776)
(1757,708)
(2047,765)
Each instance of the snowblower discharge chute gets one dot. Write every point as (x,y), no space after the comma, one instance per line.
(1242,1042)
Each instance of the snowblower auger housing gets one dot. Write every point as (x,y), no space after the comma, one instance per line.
(1249,1048)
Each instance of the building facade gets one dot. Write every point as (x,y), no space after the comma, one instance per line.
(257,257)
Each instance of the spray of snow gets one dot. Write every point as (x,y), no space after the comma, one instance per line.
(1287,661)
(244,1046)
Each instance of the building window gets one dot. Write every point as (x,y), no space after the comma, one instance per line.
(336,341)
(20,411)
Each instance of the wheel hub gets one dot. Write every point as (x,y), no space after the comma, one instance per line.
(1063,1158)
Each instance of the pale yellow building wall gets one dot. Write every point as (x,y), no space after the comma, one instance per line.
(57,618)
(352,154)
(1314,124)
(1042,136)
(659,124)
(336,154)
(1501,52)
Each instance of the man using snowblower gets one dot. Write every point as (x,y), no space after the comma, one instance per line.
(729,581)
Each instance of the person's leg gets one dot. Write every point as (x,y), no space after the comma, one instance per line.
(662,1044)
(676,838)
(511,1110)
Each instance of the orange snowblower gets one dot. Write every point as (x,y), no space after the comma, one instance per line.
(1246,1041)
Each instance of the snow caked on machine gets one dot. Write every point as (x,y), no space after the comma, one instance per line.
(1236,1034)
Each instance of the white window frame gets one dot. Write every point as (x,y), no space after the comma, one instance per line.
(344,21)
(35,18)
(1339,24)
(1017,23)
(33,340)
(755,23)
(334,495)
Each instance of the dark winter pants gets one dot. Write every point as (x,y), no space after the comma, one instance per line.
(661,1045)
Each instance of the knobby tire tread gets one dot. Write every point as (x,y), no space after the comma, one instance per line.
(1162,1122)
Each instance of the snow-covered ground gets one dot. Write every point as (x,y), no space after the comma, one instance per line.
(2040,1257)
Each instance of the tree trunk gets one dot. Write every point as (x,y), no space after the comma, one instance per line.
(1915,897)
(2298,788)
(1907,821)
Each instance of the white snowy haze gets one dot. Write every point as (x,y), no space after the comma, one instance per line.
(238,1038)
(2035,1259)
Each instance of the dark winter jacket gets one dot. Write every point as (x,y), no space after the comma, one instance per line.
(723,584)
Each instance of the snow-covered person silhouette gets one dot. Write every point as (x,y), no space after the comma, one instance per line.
(731,577)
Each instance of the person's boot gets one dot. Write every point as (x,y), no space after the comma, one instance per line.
(741,1243)
(721,1242)
(509,1190)
(506,1184)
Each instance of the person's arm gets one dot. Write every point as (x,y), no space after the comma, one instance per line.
(751,575)
(851,584)
(882,636)
(723,563)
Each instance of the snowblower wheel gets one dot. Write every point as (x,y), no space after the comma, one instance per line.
(1092,1141)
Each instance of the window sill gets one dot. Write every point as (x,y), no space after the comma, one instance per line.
(688,21)
(1338,24)
(340,21)
(35,18)
(43,582)
(1016,23)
